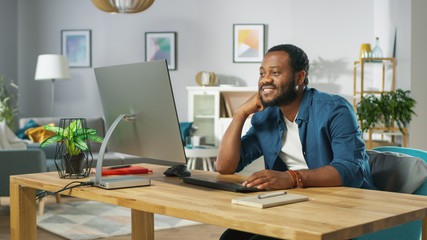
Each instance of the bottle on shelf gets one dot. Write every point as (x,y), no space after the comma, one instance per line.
(377,52)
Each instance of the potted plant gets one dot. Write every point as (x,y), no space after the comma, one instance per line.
(8,107)
(388,109)
(74,138)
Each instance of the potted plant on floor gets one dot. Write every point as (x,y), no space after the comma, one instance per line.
(73,137)
(386,110)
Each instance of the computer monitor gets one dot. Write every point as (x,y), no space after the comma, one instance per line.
(143,93)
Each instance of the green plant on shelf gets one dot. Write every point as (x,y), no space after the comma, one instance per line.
(387,109)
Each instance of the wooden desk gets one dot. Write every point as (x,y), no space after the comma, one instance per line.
(331,213)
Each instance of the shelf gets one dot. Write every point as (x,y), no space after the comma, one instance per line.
(392,131)
(372,92)
(376,60)
(359,91)
(208,105)
(224,89)
(205,116)
(387,132)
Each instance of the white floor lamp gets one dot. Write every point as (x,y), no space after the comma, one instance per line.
(52,67)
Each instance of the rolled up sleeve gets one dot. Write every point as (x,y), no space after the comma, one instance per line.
(348,149)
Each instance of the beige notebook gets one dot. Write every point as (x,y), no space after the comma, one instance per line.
(272,199)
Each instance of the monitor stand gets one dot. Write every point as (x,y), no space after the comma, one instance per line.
(124,181)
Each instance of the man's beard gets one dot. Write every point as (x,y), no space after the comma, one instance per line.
(286,96)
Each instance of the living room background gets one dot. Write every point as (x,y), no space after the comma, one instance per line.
(330,31)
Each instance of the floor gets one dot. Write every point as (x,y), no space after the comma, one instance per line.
(208,232)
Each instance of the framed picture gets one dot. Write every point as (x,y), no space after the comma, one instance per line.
(76,46)
(161,45)
(248,43)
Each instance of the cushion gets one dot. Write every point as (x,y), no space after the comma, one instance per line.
(397,172)
(185,129)
(21,132)
(39,134)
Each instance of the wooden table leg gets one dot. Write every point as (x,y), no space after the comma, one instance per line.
(142,225)
(23,224)
(424,229)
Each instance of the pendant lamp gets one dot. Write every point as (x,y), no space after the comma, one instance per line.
(122,6)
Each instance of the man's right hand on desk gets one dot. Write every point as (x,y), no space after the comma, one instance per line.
(270,179)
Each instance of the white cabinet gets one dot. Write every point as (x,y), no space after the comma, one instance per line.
(207,106)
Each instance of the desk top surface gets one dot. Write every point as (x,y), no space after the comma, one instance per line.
(331,212)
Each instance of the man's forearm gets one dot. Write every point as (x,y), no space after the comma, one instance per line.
(321,177)
(229,148)
(326,176)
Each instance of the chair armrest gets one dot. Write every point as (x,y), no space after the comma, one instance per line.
(49,150)
(13,162)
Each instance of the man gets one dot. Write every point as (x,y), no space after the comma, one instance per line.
(307,138)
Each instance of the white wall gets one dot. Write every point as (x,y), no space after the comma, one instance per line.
(392,16)
(329,31)
(418,129)
(116,39)
(8,39)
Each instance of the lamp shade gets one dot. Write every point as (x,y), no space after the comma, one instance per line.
(52,66)
(122,6)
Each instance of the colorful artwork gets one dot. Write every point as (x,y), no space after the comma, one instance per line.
(161,45)
(248,43)
(76,46)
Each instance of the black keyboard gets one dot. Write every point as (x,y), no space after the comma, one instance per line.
(227,186)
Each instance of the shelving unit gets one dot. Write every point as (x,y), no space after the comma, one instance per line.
(210,108)
(358,94)
(361,63)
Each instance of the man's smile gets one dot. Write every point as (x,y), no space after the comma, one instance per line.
(267,89)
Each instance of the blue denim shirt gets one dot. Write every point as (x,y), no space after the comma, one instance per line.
(329,135)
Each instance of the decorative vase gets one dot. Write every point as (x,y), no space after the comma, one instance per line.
(365,51)
(206,79)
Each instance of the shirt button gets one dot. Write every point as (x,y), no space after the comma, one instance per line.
(274,153)
(304,153)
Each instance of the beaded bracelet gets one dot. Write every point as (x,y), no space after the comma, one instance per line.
(296,175)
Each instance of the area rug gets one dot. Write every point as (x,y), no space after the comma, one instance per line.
(91,220)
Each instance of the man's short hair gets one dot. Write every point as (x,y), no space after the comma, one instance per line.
(298,59)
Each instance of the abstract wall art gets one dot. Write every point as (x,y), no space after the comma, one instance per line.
(161,45)
(76,46)
(248,43)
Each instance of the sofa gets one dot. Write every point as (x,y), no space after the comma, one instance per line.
(110,157)
(20,161)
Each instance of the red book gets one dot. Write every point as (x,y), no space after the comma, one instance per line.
(125,170)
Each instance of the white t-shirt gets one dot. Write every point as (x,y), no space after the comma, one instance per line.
(291,153)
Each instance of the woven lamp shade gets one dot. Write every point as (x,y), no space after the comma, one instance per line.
(122,6)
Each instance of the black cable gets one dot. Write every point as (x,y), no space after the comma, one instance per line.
(43,194)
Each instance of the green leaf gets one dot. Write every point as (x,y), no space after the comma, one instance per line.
(51,140)
(95,138)
(72,127)
(88,131)
(80,143)
(56,130)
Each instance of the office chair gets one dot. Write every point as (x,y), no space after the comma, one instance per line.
(407,231)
